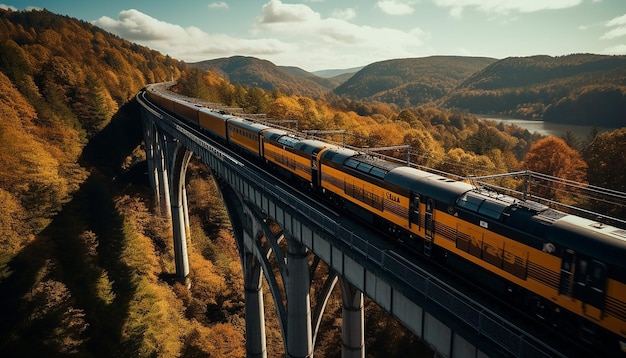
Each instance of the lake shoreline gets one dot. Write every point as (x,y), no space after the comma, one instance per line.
(544,128)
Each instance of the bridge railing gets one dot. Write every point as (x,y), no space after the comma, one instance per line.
(484,322)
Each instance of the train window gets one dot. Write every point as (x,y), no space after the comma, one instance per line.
(581,272)
(470,202)
(377,172)
(429,218)
(597,284)
(365,168)
(597,276)
(352,163)
(287,140)
(567,272)
(416,210)
(590,276)
(492,209)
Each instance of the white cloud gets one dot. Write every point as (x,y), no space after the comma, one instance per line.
(189,44)
(307,26)
(218,5)
(277,12)
(137,26)
(8,7)
(505,6)
(614,33)
(396,7)
(618,25)
(285,34)
(615,50)
(620,20)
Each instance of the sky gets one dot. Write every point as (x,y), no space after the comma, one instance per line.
(339,34)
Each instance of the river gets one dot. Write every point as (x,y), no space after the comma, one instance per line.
(545,128)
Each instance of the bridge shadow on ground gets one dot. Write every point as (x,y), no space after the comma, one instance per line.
(54,302)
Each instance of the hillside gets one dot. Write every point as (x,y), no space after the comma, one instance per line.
(412,81)
(63,81)
(84,264)
(86,267)
(254,72)
(575,89)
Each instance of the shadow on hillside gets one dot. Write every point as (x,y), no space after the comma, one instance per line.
(51,302)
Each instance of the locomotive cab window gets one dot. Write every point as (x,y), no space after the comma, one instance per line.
(567,273)
(590,278)
(429,217)
(597,276)
(415,213)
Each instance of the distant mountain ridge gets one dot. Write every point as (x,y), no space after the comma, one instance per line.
(411,81)
(264,74)
(578,89)
(575,89)
(406,82)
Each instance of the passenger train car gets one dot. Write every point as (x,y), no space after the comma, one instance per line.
(567,270)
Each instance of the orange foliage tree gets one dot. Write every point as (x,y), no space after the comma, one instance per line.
(552,156)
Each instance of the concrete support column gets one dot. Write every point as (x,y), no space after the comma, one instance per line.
(299,332)
(149,139)
(181,256)
(186,212)
(180,158)
(256,346)
(162,174)
(353,325)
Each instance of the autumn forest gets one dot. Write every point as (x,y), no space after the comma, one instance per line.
(86,265)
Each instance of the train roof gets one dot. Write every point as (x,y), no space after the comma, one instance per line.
(338,155)
(602,242)
(215,113)
(429,184)
(311,146)
(362,162)
(486,202)
(247,124)
(308,146)
(275,135)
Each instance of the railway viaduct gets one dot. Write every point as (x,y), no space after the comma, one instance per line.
(450,321)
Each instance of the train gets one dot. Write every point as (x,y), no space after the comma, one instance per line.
(565,270)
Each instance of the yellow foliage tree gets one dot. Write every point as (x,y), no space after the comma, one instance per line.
(459,162)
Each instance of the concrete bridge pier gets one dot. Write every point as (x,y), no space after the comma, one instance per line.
(149,139)
(179,159)
(156,158)
(353,323)
(256,346)
(299,331)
